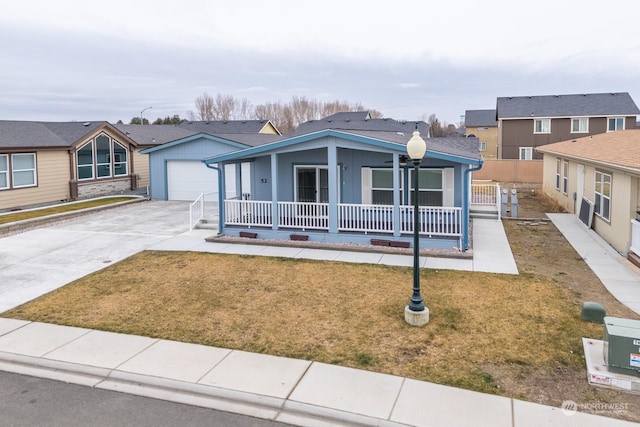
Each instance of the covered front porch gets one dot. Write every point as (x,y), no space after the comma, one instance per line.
(340,187)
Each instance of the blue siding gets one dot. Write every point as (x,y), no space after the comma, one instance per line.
(197,149)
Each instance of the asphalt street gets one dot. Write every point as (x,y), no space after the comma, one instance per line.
(29,401)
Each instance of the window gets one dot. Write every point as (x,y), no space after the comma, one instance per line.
(603,195)
(436,186)
(4,171)
(430,188)
(382,186)
(542,126)
(565,177)
(558,173)
(526,153)
(483,146)
(102,157)
(580,125)
(23,170)
(615,123)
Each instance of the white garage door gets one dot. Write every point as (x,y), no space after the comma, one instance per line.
(186,180)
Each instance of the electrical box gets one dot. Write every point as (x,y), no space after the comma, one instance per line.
(622,345)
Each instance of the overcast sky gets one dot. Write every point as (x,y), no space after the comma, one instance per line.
(68,60)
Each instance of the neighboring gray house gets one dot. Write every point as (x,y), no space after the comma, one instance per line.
(351,184)
(527,122)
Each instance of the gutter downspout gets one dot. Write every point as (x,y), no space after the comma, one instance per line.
(220,198)
(465,207)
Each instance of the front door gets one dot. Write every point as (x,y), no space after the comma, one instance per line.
(312,184)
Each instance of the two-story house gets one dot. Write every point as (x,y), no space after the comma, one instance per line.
(483,125)
(527,122)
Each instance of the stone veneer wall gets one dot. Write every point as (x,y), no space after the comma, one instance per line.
(103,188)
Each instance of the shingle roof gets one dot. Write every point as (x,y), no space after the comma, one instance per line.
(621,148)
(149,135)
(19,134)
(250,139)
(479,118)
(359,121)
(592,104)
(228,127)
(454,145)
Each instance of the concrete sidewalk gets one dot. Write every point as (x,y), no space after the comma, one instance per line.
(291,391)
(491,251)
(617,274)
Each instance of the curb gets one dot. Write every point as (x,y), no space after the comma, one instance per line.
(212,397)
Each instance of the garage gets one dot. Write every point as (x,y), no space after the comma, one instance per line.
(187,179)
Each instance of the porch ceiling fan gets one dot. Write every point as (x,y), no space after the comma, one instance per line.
(403,159)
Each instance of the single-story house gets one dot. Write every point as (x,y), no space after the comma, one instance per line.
(604,169)
(48,162)
(352,185)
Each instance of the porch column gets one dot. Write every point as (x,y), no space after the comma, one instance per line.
(332,160)
(274,191)
(396,195)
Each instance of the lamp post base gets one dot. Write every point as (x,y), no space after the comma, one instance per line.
(416,318)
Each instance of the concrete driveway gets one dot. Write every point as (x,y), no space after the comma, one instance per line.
(38,261)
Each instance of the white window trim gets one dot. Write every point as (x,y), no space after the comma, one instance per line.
(6,172)
(317,168)
(580,119)
(616,119)
(111,162)
(34,170)
(528,153)
(448,178)
(565,177)
(558,173)
(482,146)
(600,209)
(543,121)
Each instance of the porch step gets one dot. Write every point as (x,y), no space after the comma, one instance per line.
(488,214)
(207,224)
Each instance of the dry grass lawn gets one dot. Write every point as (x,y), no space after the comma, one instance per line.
(345,314)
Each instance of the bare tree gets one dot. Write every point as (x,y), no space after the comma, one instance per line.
(285,116)
(435,127)
(204,108)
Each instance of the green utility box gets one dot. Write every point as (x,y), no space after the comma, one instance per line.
(622,345)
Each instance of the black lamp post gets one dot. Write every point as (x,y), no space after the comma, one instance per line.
(416,313)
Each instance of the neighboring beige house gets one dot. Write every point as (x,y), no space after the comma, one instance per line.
(483,125)
(604,169)
(47,162)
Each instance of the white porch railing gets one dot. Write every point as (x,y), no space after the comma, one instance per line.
(434,221)
(635,237)
(248,212)
(303,215)
(486,195)
(205,205)
(365,218)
